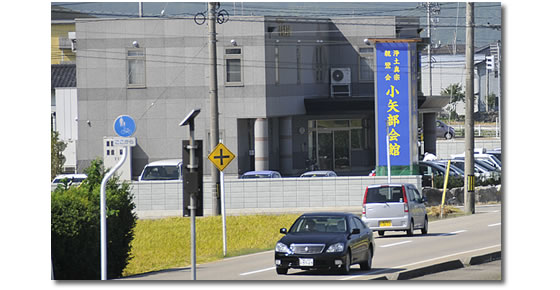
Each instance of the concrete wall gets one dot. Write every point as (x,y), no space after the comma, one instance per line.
(164,199)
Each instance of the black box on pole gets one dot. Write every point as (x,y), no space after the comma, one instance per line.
(192,181)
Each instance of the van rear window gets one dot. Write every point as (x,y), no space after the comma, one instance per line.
(384,194)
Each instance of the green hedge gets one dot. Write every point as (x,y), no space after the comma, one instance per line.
(75,230)
(454,181)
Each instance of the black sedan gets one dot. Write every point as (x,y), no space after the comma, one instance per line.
(325,241)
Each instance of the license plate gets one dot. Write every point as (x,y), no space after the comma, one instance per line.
(305,262)
(385,223)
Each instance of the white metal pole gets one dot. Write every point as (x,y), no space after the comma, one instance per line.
(388,156)
(103,214)
(223,203)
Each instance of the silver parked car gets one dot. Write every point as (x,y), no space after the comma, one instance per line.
(444,130)
(320,173)
(394,207)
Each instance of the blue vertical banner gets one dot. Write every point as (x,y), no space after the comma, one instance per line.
(393,103)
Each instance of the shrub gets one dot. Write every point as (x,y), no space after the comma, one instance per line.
(75,229)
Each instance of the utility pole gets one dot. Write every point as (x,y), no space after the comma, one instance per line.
(430,46)
(469,112)
(213,94)
(430,8)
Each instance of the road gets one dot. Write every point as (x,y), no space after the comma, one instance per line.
(448,239)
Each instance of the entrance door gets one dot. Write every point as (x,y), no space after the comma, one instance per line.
(325,152)
(341,149)
(334,149)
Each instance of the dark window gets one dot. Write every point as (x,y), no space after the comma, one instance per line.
(384,194)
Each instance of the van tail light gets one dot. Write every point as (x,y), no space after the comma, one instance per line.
(364,203)
(405,200)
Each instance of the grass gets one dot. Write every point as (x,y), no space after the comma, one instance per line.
(448,212)
(165,243)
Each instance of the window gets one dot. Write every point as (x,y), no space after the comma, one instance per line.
(366,64)
(234,75)
(298,64)
(136,68)
(319,64)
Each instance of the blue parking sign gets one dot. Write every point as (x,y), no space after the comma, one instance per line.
(124,126)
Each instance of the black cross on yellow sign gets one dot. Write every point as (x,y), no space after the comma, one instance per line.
(221,156)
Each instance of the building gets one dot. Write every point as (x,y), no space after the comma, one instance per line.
(294,93)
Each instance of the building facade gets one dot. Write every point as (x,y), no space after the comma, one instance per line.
(294,93)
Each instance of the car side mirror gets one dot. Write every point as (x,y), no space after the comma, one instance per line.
(283,231)
(355,231)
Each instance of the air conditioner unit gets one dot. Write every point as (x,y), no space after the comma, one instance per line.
(341,76)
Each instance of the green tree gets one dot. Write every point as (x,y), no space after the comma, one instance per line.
(455,91)
(75,229)
(57,158)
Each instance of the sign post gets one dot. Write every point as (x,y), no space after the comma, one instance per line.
(221,157)
(189,120)
(124,126)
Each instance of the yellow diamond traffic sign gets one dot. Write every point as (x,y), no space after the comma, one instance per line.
(221,156)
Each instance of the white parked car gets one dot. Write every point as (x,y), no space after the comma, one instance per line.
(163,170)
(72,178)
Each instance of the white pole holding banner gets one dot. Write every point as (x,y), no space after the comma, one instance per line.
(388,156)
(103,214)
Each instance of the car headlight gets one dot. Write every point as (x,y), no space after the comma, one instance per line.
(338,247)
(281,248)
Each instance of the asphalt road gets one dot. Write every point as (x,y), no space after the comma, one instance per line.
(449,239)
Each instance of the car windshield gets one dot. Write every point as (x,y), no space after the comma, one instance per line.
(161,173)
(261,175)
(73,179)
(319,224)
(384,194)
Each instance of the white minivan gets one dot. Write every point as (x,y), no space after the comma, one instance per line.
(163,170)
(394,207)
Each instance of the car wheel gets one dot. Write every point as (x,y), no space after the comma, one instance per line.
(345,269)
(381,233)
(366,265)
(410,231)
(448,135)
(281,271)
(425,228)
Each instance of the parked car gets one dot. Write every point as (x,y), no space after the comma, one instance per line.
(496,152)
(320,173)
(480,170)
(73,179)
(488,158)
(325,241)
(394,207)
(444,130)
(163,170)
(432,168)
(261,174)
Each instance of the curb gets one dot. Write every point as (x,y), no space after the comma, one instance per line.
(445,266)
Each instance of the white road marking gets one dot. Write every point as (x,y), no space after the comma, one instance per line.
(395,244)
(451,233)
(258,271)
(425,261)
(493,225)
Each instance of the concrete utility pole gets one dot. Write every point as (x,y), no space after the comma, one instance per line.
(469,112)
(214,126)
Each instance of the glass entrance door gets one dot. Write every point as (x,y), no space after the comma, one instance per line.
(334,149)
(341,149)
(325,152)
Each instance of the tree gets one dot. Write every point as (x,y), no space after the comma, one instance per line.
(75,229)
(455,91)
(57,158)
